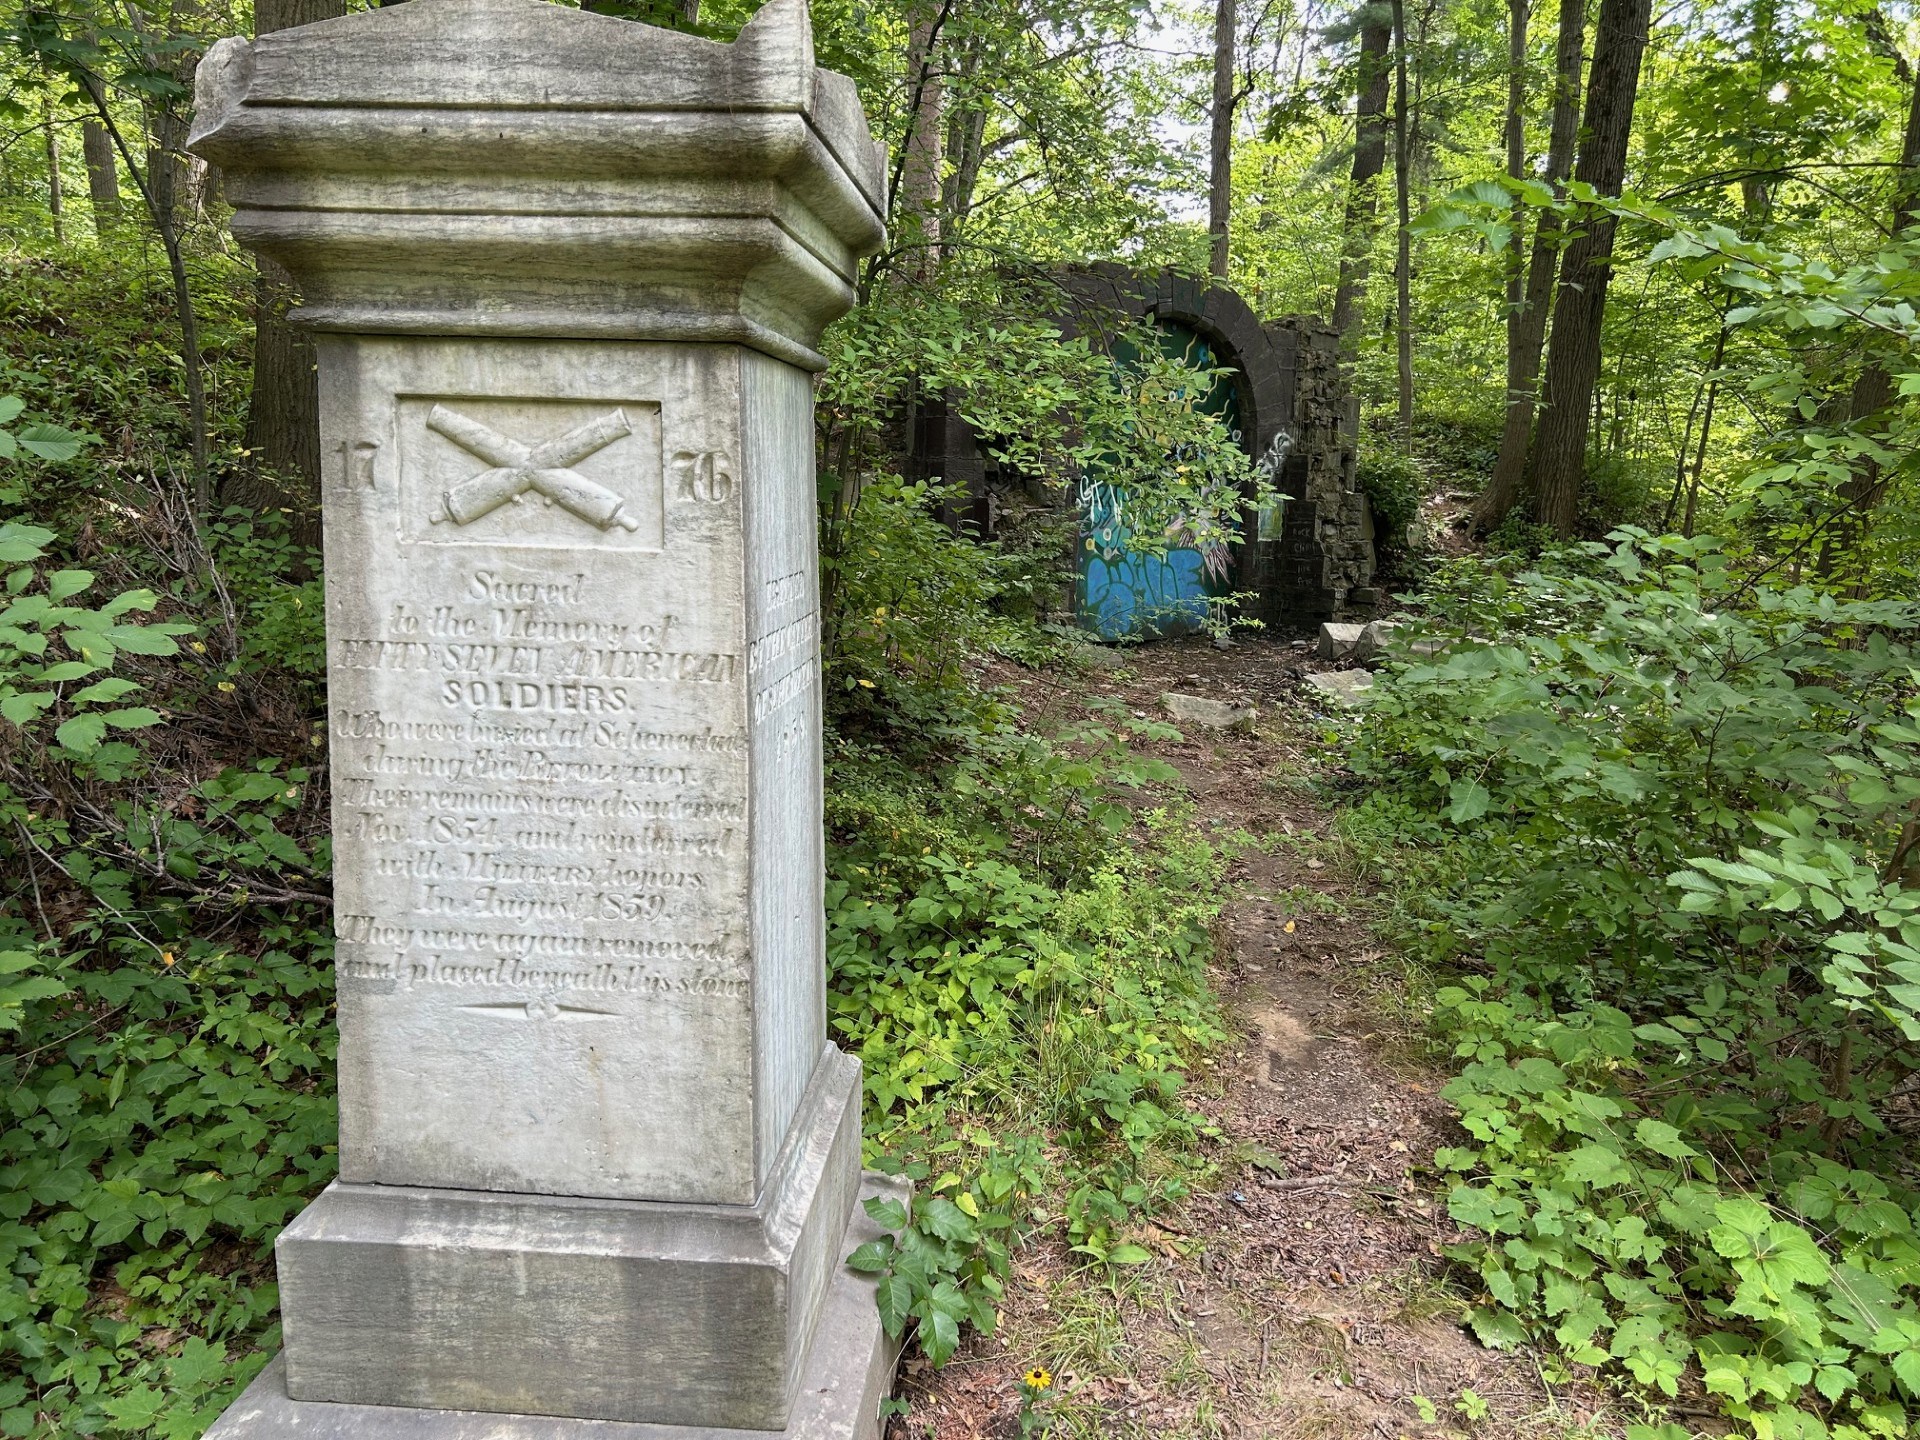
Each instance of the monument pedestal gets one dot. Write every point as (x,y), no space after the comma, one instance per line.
(554,1305)
(599,1163)
(848,1372)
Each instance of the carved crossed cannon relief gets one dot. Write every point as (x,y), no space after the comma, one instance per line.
(544,469)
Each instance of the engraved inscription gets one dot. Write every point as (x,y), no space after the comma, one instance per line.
(548,808)
(356,464)
(703,476)
(783,662)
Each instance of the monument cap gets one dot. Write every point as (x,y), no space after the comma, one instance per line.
(517,168)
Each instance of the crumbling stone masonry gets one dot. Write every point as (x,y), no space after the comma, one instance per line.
(1320,564)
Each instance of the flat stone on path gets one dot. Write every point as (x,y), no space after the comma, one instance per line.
(1214,714)
(1346,688)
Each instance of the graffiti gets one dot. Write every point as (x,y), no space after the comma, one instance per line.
(1268,468)
(1134,585)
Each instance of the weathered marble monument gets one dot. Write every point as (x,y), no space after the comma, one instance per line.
(598,1160)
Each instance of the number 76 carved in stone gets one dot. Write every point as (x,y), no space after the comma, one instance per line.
(545,468)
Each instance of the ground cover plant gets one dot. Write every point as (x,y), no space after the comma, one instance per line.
(1670,811)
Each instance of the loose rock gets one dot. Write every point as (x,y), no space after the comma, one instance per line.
(1346,688)
(1214,714)
(1338,641)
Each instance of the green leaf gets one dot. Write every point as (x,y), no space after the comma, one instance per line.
(22,709)
(1596,1165)
(872,1258)
(142,640)
(895,1296)
(1470,801)
(1129,1254)
(1496,1329)
(50,442)
(887,1212)
(20,543)
(136,1409)
(1663,1139)
(940,1216)
(939,1336)
(64,583)
(82,733)
(197,1365)
(102,691)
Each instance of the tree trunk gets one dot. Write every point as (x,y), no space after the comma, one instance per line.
(1527,323)
(1556,461)
(965,142)
(1700,450)
(1220,179)
(283,411)
(171,175)
(56,196)
(1403,254)
(1873,391)
(1369,155)
(916,199)
(192,364)
(103,175)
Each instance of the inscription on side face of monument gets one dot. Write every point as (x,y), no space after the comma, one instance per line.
(539,695)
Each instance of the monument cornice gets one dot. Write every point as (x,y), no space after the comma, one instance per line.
(555,173)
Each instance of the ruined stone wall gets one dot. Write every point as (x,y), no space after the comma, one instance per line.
(1320,564)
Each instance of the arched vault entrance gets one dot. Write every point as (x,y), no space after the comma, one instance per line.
(1307,558)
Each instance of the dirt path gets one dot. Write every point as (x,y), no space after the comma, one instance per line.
(1300,1292)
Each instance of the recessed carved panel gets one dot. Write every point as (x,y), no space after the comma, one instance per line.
(547,473)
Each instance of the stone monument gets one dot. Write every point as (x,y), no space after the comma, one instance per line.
(599,1164)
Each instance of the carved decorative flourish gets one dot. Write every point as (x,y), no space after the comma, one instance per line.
(541,1007)
(546,469)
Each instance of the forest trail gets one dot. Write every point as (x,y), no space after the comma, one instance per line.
(1299,1291)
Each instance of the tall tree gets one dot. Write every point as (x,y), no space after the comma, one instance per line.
(103,174)
(283,411)
(966,138)
(85,62)
(1530,294)
(56,192)
(1556,461)
(1873,391)
(916,199)
(1369,156)
(1403,249)
(1220,176)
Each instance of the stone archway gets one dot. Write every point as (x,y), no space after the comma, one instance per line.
(1309,558)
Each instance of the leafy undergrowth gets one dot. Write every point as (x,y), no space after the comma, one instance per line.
(1657,820)
(1020,963)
